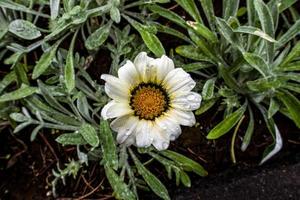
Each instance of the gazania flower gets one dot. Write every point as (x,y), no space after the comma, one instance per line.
(150,100)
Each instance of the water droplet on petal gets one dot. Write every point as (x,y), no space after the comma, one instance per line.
(165,145)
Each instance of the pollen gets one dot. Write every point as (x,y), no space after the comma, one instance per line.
(149,101)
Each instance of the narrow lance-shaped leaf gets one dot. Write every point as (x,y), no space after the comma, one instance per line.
(24,29)
(208,9)
(97,38)
(168,15)
(292,104)
(267,24)
(208,89)
(45,60)
(54,8)
(227,124)
(20,93)
(290,34)
(156,186)
(191,8)
(185,162)
(71,139)
(89,134)
(191,52)
(69,71)
(295,52)
(203,31)
(273,108)
(150,39)
(249,131)
(108,145)
(228,33)
(257,63)
(277,144)
(254,31)
(230,8)
(121,190)
(8,79)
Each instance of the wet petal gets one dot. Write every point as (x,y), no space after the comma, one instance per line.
(115,109)
(116,88)
(163,66)
(129,74)
(143,66)
(189,101)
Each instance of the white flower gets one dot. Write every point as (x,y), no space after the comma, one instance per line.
(150,100)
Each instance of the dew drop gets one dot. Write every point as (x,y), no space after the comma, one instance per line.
(165,145)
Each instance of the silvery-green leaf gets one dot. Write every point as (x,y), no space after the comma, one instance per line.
(20,93)
(97,38)
(115,14)
(54,8)
(19,117)
(71,139)
(24,29)
(208,89)
(89,134)
(254,31)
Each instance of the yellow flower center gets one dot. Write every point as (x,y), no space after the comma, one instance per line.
(149,101)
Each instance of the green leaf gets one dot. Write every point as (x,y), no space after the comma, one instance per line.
(69,71)
(20,70)
(208,89)
(290,34)
(108,145)
(171,31)
(267,24)
(227,124)
(71,139)
(295,53)
(22,92)
(19,117)
(121,190)
(203,31)
(45,60)
(257,63)
(264,84)
(208,9)
(230,8)
(97,38)
(254,31)
(292,104)
(151,41)
(249,131)
(284,4)
(191,8)
(185,179)
(24,29)
(205,106)
(50,99)
(189,51)
(228,34)
(156,186)
(16,6)
(273,108)
(185,162)
(272,149)
(54,8)
(7,80)
(89,134)
(192,67)
(115,14)
(168,15)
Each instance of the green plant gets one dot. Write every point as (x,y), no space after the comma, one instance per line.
(248,62)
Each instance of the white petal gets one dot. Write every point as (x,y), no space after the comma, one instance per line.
(143,134)
(116,88)
(163,66)
(160,140)
(130,140)
(115,109)
(178,81)
(185,118)
(142,64)
(125,126)
(128,73)
(189,101)
(169,126)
